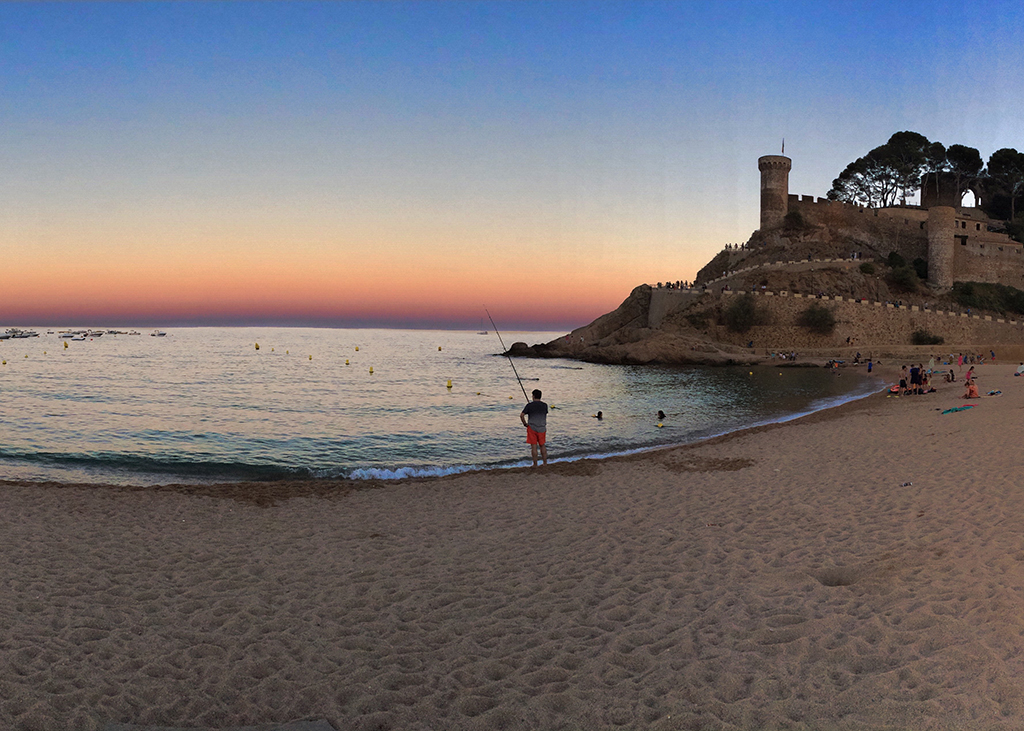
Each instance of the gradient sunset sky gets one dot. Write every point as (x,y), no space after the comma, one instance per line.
(404,164)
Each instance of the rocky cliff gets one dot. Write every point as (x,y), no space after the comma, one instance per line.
(874,310)
(624,336)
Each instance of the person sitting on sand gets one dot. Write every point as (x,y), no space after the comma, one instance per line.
(1020,370)
(972,390)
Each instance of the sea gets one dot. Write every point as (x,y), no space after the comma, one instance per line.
(208,405)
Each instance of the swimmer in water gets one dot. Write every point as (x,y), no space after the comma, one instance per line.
(661,416)
(599,416)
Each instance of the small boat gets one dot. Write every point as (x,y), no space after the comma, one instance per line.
(158,333)
(482,331)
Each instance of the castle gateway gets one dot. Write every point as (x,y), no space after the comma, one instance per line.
(959,243)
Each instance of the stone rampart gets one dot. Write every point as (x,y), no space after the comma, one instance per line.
(902,229)
(875,324)
(790,265)
(997,263)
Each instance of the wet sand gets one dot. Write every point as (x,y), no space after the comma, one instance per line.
(860,568)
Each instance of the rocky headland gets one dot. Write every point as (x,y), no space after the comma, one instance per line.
(769,296)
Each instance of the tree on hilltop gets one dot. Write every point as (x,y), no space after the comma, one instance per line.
(965,166)
(890,172)
(1006,171)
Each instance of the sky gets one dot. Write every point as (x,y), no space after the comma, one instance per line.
(406,164)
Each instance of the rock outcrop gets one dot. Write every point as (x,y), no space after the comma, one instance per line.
(874,310)
(624,336)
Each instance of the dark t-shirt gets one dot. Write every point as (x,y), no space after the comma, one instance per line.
(537,415)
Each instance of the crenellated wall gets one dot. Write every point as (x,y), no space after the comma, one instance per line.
(956,242)
(869,322)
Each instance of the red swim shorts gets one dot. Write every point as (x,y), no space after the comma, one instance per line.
(535,437)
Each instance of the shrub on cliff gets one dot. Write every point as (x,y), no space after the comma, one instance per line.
(923,337)
(920,268)
(744,313)
(794,221)
(904,279)
(818,319)
(895,260)
(995,297)
(867,268)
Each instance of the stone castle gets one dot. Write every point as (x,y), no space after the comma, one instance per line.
(959,243)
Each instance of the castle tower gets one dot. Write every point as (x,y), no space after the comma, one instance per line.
(774,189)
(941,245)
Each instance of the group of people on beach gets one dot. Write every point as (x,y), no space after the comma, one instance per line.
(915,380)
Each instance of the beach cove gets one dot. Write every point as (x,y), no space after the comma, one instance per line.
(858,568)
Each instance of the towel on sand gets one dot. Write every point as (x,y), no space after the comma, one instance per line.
(958,408)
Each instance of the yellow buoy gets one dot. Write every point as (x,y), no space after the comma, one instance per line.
(477,393)
(509,398)
(439,348)
(65,346)
(346,361)
(287,352)
(271,350)
(357,348)
(257,346)
(311,357)
(44,352)
(660,425)
(371,369)
(5,362)
(751,373)
(449,384)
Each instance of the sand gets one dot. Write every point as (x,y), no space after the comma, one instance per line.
(862,568)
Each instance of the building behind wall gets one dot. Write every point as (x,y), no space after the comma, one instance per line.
(958,243)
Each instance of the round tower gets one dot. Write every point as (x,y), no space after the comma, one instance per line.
(774,189)
(941,245)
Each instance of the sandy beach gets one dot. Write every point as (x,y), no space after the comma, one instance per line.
(861,568)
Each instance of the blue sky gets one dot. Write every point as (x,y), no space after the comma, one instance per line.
(184,156)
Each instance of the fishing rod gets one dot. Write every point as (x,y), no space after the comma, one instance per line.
(507,355)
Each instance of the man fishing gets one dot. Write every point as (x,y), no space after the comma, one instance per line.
(535,418)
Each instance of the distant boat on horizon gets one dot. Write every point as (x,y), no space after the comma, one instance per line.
(482,331)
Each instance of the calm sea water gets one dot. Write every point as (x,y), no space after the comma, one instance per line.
(204,405)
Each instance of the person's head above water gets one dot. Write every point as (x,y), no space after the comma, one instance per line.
(536,393)
(661,414)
